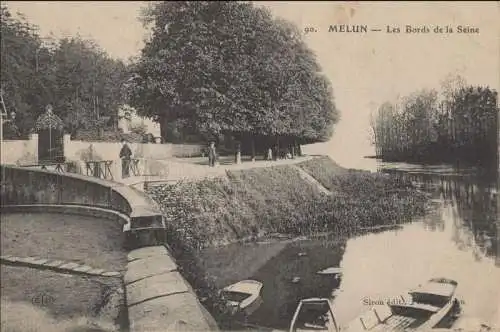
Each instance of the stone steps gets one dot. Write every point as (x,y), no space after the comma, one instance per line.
(58,266)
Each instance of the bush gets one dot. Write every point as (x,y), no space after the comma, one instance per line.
(108,135)
(372,199)
(138,128)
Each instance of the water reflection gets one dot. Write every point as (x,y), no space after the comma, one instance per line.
(289,274)
(468,202)
(459,239)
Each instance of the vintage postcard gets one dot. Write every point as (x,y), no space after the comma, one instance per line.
(252,165)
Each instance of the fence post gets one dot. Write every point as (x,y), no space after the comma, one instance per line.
(60,186)
(66,145)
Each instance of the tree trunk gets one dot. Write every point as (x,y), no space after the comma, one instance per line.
(252,142)
(277,156)
(237,157)
(299,150)
(236,141)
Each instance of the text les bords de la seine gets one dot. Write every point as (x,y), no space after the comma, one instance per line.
(407,29)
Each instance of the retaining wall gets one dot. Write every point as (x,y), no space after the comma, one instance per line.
(25,152)
(20,151)
(158,297)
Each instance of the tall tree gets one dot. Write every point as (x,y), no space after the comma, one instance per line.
(88,83)
(229,67)
(73,74)
(25,69)
(458,125)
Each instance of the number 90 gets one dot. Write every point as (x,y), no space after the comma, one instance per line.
(309,29)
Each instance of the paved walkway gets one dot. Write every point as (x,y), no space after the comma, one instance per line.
(189,169)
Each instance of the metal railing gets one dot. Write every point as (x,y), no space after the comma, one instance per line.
(99,169)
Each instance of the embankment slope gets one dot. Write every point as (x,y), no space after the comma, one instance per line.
(251,203)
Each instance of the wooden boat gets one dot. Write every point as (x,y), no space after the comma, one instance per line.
(335,272)
(426,306)
(314,314)
(243,297)
(436,296)
(334,276)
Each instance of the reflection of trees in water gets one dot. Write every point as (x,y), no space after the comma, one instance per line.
(473,204)
(303,260)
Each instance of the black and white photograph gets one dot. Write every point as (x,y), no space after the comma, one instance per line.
(268,166)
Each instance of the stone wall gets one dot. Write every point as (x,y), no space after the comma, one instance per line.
(25,152)
(20,152)
(150,155)
(81,150)
(153,284)
(158,297)
(28,186)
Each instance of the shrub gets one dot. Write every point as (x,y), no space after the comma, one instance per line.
(138,128)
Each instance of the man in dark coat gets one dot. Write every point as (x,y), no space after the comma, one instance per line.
(125,154)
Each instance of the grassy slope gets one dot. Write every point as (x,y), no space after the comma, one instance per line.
(250,202)
(324,170)
(276,199)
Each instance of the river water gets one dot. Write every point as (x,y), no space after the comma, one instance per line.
(458,239)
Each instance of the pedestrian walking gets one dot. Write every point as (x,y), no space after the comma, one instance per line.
(125,156)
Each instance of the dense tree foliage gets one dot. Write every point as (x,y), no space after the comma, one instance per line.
(460,124)
(231,68)
(82,83)
(19,47)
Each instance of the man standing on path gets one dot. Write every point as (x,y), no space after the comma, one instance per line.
(211,154)
(125,154)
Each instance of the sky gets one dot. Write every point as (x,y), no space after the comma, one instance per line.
(365,69)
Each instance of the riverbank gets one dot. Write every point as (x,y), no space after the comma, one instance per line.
(251,204)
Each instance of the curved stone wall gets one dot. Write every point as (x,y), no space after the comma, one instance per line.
(158,297)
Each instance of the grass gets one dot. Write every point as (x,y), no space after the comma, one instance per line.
(249,203)
(93,241)
(324,170)
(255,202)
(38,300)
